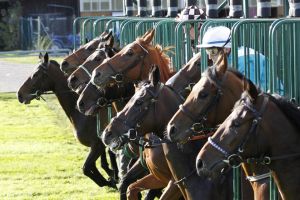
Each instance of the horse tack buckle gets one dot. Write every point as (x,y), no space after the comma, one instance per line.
(266,160)
(235,160)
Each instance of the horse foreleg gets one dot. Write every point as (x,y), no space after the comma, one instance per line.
(147,182)
(90,169)
(172,192)
(135,172)
(114,165)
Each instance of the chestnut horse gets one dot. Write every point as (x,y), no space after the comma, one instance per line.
(209,103)
(149,111)
(261,129)
(71,62)
(48,77)
(133,63)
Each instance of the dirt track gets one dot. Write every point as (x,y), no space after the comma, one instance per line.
(12,75)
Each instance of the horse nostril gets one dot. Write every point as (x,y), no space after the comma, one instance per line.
(20,98)
(172,130)
(199,164)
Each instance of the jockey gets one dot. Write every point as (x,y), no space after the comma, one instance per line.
(218,38)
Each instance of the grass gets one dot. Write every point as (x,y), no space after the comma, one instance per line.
(39,156)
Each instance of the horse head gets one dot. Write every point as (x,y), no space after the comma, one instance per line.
(71,62)
(132,63)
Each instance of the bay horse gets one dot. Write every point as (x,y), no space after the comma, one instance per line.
(261,129)
(48,77)
(133,63)
(71,62)
(209,103)
(82,75)
(149,110)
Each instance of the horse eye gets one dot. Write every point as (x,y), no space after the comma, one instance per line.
(129,52)
(203,95)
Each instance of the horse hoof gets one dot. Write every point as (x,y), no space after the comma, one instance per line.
(112,183)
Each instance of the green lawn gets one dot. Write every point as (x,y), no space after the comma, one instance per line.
(39,156)
(28,59)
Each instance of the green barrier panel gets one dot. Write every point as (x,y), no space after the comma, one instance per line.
(165,36)
(284,57)
(252,33)
(212,23)
(100,25)
(77,28)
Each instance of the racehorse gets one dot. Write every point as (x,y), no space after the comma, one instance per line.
(82,75)
(149,110)
(71,62)
(261,129)
(209,103)
(48,77)
(133,63)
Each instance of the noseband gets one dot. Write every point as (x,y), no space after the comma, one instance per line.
(120,76)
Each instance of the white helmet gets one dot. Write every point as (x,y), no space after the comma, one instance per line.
(191,12)
(218,36)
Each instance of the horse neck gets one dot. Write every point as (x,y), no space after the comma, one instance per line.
(282,138)
(67,99)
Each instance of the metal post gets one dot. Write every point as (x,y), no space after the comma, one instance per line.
(129,8)
(172,8)
(156,8)
(190,2)
(38,32)
(294,8)
(235,9)
(211,8)
(142,8)
(264,8)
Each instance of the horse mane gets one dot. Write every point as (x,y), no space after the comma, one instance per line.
(166,70)
(290,109)
(209,72)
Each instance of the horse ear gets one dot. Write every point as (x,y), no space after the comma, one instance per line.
(107,37)
(110,42)
(154,75)
(221,64)
(103,34)
(46,58)
(148,38)
(251,89)
(86,40)
(41,56)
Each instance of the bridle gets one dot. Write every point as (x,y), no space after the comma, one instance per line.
(85,69)
(120,76)
(235,159)
(133,125)
(200,119)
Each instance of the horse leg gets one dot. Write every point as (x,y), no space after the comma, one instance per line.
(90,169)
(147,182)
(113,161)
(171,192)
(135,172)
(151,194)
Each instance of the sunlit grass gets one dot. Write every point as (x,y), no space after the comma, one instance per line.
(28,59)
(39,156)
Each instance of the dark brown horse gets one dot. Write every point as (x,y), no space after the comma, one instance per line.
(133,63)
(261,129)
(48,77)
(82,75)
(71,62)
(149,110)
(209,103)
